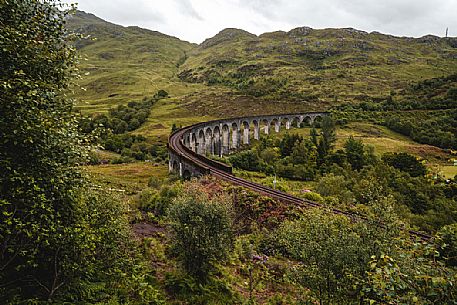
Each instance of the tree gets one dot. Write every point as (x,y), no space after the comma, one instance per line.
(313,134)
(405,162)
(330,253)
(174,127)
(452,93)
(355,153)
(119,126)
(202,231)
(247,160)
(447,239)
(287,143)
(335,186)
(269,155)
(333,253)
(55,235)
(304,158)
(328,138)
(413,277)
(38,147)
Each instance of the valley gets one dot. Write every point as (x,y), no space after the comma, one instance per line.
(342,144)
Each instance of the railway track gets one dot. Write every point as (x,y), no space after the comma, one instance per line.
(177,146)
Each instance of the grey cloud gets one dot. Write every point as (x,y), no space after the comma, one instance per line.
(389,11)
(267,8)
(123,11)
(398,17)
(196,20)
(186,8)
(407,17)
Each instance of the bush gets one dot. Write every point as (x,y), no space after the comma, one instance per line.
(327,248)
(405,162)
(158,202)
(202,231)
(452,93)
(155,182)
(134,146)
(247,160)
(332,185)
(161,94)
(188,289)
(447,240)
(313,197)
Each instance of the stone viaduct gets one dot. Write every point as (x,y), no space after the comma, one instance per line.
(220,137)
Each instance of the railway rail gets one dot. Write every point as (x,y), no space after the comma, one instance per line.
(208,166)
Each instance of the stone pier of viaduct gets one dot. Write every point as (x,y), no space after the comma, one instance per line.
(219,137)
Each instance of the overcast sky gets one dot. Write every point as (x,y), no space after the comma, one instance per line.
(196,20)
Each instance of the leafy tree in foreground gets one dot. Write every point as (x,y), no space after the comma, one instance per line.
(202,231)
(447,239)
(412,277)
(332,253)
(55,236)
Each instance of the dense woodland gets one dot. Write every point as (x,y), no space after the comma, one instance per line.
(111,132)
(426,112)
(63,240)
(354,176)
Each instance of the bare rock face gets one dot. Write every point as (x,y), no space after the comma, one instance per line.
(301,31)
(355,32)
(452,42)
(430,39)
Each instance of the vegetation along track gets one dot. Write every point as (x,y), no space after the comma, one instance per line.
(208,166)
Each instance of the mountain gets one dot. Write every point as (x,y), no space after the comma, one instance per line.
(123,63)
(236,72)
(318,66)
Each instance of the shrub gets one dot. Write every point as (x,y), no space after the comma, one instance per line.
(313,197)
(447,239)
(202,231)
(162,93)
(327,248)
(405,162)
(247,160)
(155,182)
(452,93)
(158,202)
(187,289)
(335,186)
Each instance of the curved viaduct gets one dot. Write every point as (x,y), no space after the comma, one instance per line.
(189,146)
(219,137)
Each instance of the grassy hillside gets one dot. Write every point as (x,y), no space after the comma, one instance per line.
(237,73)
(123,63)
(318,66)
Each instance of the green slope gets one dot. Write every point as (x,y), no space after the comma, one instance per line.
(238,73)
(123,63)
(318,66)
